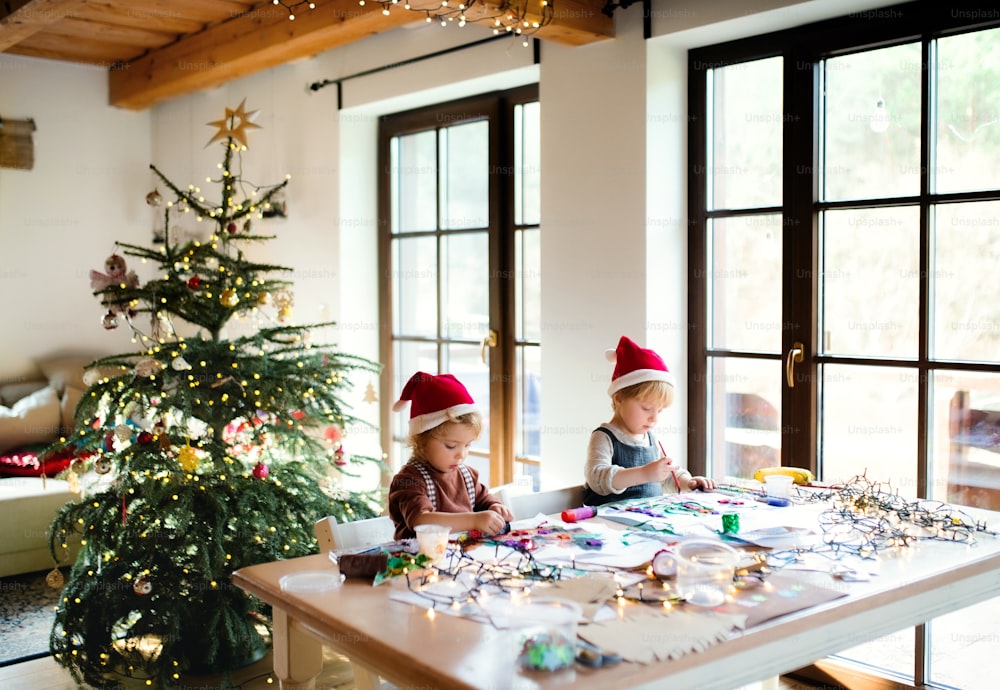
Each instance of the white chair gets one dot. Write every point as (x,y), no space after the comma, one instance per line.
(341,536)
(528,505)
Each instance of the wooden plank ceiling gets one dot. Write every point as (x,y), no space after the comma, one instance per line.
(155,50)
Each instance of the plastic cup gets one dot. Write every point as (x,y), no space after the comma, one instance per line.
(704,571)
(778,486)
(432,540)
(544,631)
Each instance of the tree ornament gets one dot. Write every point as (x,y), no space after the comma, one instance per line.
(145,438)
(147,366)
(179,364)
(263,298)
(371,396)
(109,441)
(284,313)
(260,470)
(234,124)
(109,321)
(102,465)
(55,579)
(123,433)
(333,434)
(339,457)
(118,276)
(229,298)
(154,199)
(188,459)
(247,225)
(194,282)
(231,228)
(142,586)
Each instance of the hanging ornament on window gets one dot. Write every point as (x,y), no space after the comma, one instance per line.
(371,396)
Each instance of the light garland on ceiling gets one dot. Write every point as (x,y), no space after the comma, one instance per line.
(509,16)
(290,6)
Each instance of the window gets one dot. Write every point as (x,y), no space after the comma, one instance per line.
(459,199)
(844,193)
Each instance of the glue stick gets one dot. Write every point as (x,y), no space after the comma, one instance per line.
(581,513)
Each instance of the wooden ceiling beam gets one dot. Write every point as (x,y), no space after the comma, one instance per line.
(28,17)
(264,37)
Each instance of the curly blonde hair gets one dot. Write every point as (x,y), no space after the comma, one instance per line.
(418,442)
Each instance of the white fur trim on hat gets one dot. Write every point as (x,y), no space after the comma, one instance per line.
(425,422)
(641,376)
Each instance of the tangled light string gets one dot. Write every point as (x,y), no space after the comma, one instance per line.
(868,517)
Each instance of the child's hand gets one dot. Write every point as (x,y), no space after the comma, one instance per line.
(703,483)
(489,522)
(504,511)
(659,470)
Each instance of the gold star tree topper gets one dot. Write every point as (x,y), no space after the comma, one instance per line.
(235,124)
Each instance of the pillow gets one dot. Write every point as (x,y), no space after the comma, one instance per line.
(33,419)
(67,405)
(10,393)
(65,371)
(29,462)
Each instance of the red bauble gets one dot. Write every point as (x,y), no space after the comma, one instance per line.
(260,470)
(145,437)
(231,228)
(194,282)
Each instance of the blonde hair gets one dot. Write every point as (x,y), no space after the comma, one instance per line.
(659,393)
(418,442)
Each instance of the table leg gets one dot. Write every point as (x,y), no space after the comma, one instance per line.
(298,656)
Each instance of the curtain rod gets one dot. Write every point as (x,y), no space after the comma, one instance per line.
(317,85)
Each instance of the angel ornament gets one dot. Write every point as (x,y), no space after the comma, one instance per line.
(118,276)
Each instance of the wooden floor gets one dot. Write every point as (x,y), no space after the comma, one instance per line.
(46,674)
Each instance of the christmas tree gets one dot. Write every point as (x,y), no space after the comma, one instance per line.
(214,453)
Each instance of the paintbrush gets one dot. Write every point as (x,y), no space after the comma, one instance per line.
(672,473)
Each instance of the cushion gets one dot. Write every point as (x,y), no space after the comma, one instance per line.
(10,393)
(62,371)
(33,419)
(67,405)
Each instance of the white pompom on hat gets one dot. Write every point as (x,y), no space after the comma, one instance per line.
(634,364)
(434,400)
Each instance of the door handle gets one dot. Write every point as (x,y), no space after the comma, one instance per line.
(489,341)
(795,355)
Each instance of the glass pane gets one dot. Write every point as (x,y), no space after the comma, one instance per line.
(464,363)
(966,296)
(968,112)
(745,283)
(964,644)
(465,286)
(415,288)
(745,416)
(527,438)
(527,164)
(528,284)
(869,425)
(745,103)
(414,182)
(409,358)
(872,124)
(966,439)
(892,653)
(871,282)
(465,178)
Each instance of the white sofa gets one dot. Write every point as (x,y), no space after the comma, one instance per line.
(28,505)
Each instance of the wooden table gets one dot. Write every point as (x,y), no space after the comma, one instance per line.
(414,650)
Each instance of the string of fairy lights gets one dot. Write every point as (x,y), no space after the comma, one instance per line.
(514,17)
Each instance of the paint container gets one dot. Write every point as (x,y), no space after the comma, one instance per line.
(730,523)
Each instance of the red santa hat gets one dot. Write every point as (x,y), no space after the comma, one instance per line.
(433,400)
(634,364)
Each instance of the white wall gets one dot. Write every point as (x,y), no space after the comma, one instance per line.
(614,190)
(61,219)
